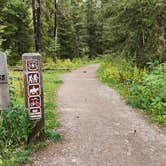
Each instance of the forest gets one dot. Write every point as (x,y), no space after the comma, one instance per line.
(76,28)
(127,38)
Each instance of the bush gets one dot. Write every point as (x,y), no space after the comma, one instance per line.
(150,95)
(13,127)
(144,89)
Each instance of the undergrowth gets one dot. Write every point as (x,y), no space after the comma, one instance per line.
(14,123)
(143,88)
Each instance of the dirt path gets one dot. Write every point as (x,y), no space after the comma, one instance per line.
(99,129)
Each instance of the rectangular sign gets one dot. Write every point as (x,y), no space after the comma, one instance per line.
(34,90)
(4,87)
(32,65)
(3,79)
(33,85)
(33,78)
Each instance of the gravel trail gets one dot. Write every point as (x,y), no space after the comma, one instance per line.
(100,129)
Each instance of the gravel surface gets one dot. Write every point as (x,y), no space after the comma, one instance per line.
(100,129)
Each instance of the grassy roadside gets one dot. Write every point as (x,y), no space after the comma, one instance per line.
(142,88)
(14,123)
(14,149)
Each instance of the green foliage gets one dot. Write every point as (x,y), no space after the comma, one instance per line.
(16,33)
(95,27)
(136,29)
(151,94)
(144,89)
(53,135)
(51,84)
(14,123)
(51,50)
(66,64)
(49,46)
(22,156)
(13,128)
(65,36)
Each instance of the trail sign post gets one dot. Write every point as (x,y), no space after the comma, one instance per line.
(4,87)
(33,85)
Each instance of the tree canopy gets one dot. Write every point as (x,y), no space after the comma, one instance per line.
(76,28)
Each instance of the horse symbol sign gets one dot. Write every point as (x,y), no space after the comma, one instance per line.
(34,90)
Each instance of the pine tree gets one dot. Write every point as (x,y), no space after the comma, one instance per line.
(17,34)
(79,28)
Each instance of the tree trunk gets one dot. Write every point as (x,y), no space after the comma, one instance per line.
(56,19)
(36,23)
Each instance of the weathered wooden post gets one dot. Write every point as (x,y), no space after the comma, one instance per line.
(33,86)
(4,87)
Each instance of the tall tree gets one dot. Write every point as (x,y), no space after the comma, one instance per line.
(91,28)
(79,27)
(36,6)
(94,27)
(17,33)
(55,19)
(136,29)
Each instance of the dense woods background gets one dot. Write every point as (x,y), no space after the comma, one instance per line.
(76,28)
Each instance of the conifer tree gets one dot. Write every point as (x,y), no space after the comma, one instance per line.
(17,33)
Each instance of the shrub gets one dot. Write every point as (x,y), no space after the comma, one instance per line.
(144,89)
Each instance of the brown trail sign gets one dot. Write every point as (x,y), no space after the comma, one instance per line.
(33,85)
(4,87)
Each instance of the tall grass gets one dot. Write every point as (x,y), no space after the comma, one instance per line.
(143,88)
(14,121)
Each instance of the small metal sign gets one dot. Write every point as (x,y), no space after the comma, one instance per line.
(3,78)
(33,91)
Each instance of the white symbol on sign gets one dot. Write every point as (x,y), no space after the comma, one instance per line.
(32,65)
(34,90)
(35,111)
(33,78)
